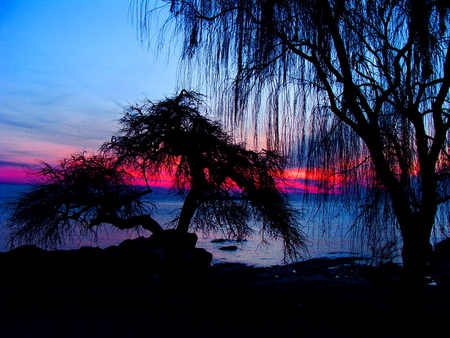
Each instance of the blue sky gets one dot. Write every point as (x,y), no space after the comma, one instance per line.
(67,69)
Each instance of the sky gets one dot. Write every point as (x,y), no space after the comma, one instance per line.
(67,70)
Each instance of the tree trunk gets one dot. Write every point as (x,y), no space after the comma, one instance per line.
(416,233)
(198,186)
(415,226)
(188,210)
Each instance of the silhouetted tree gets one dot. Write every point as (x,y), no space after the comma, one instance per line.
(74,197)
(224,186)
(366,82)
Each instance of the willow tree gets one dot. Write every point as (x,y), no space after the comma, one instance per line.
(225,187)
(365,81)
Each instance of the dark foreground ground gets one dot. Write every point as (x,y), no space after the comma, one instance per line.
(316,298)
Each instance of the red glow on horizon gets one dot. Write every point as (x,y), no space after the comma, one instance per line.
(13,175)
(163,181)
(314,182)
(297,180)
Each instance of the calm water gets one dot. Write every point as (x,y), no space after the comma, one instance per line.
(334,239)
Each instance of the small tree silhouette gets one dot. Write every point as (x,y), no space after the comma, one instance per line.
(225,186)
(73,197)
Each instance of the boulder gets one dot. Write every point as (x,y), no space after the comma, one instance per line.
(196,259)
(173,240)
(166,253)
(136,261)
(229,248)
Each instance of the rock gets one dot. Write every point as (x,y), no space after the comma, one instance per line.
(136,261)
(167,253)
(221,240)
(197,259)
(136,244)
(24,265)
(26,250)
(229,248)
(173,240)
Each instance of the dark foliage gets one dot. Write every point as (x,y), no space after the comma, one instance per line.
(73,198)
(225,186)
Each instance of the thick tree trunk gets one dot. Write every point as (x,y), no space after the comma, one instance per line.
(416,233)
(415,226)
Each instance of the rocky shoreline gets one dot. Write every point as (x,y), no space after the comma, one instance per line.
(45,296)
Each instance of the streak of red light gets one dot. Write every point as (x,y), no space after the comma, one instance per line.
(297,180)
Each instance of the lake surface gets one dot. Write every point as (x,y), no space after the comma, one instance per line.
(331,240)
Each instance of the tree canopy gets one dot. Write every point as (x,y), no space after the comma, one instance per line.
(225,187)
(365,83)
(72,198)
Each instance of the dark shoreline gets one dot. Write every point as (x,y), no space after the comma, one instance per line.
(315,298)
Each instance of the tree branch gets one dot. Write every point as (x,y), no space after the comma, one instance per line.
(145,221)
